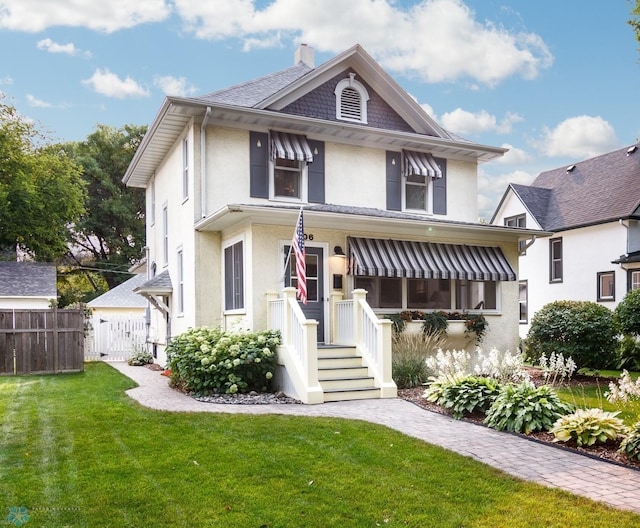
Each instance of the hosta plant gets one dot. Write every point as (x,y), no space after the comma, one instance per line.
(469,395)
(525,408)
(588,427)
(630,445)
(435,391)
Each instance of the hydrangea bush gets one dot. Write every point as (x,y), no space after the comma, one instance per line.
(209,361)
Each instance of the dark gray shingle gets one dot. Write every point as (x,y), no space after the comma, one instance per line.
(27,279)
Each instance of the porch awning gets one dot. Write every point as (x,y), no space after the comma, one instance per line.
(421,164)
(290,146)
(426,260)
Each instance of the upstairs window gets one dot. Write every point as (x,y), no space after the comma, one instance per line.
(351,100)
(606,286)
(420,170)
(185,169)
(517,221)
(290,154)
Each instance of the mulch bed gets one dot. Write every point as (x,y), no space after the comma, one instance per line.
(607,452)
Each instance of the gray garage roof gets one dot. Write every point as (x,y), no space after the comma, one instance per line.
(28,279)
(122,296)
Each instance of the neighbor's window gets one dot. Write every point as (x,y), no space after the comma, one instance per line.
(165,234)
(517,221)
(476,295)
(233,277)
(524,300)
(633,280)
(606,286)
(555,260)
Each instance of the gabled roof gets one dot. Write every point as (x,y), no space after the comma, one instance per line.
(122,296)
(268,102)
(28,279)
(598,190)
(159,284)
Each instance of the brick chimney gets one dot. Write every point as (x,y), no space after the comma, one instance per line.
(304,54)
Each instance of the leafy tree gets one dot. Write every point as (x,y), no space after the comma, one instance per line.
(635,21)
(41,191)
(110,234)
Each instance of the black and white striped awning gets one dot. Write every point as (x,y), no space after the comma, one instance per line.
(290,146)
(375,257)
(421,164)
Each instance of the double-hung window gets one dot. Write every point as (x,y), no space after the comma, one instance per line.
(234,277)
(180,282)
(517,221)
(523,301)
(555,260)
(420,171)
(165,234)
(606,286)
(633,280)
(290,154)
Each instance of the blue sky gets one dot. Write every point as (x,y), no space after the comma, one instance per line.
(554,81)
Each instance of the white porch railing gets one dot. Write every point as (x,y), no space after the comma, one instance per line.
(357,324)
(353,323)
(298,351)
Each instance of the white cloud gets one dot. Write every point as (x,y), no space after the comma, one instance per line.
(464,122)
(491,188)
(6,80)
(53,47)
(173,85)
(36,15)
(37,103)
(454,45)
(109,84)
(578,137)
(514,156)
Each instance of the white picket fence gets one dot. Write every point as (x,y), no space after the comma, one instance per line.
(116,337)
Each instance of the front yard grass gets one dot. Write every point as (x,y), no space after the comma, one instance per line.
(76,451)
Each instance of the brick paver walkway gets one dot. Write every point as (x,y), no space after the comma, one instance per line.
(598,480)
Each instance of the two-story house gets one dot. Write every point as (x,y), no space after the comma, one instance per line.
(390,217)
(591,209)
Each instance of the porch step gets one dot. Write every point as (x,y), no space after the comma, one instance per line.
(343,376)
(362,393)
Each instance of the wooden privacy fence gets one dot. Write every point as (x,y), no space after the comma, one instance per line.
(41,341)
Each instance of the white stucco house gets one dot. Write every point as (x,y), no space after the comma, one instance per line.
(27,285)
(591,210)
(390,220)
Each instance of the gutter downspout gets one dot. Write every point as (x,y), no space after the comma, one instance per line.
(527,245)
(203,164)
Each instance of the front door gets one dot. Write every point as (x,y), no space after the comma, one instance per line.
(314,309)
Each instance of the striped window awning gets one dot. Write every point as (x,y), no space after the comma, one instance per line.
(426,260)
(290,146)
(421,164)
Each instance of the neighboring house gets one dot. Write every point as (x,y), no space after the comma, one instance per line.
(591,210)
(27,285)
(119,321)
(390,207)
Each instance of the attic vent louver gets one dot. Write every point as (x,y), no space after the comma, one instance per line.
(570,168)
(351,100)
(632,149)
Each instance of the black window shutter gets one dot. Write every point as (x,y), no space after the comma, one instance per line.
(440,189)
(316,172)
(394,181)
(259,164)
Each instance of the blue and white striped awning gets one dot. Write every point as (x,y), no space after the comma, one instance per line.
(375,257)
(290,146)
(421,164)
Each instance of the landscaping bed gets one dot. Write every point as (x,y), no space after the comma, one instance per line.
(608,451)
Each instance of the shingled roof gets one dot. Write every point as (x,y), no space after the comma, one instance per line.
(28,279)
(595,191)
(122,296)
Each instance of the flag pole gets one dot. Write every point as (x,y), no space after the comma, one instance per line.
(288,259)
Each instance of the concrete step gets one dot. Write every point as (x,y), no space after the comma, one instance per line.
(363,393)
(346,383)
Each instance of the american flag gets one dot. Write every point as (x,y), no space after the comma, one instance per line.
(299,252)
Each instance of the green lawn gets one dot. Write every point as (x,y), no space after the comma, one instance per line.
(76,451)
(593,396)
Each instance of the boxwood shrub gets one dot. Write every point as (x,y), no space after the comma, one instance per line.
(207,360)
(582,330)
